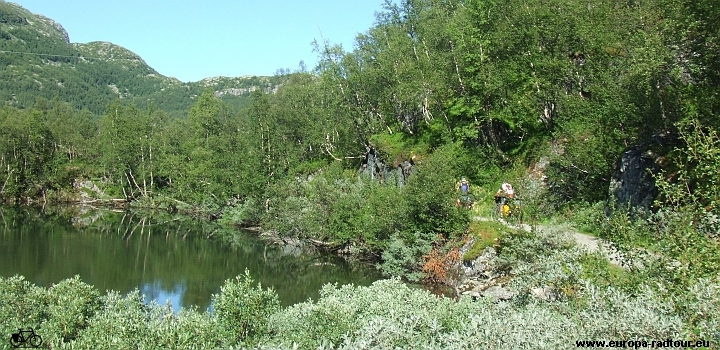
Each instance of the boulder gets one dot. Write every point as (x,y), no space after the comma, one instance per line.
(498,293)
(632,184)
(545,293)
(481,265)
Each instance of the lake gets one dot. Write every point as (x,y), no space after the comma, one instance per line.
(172,258)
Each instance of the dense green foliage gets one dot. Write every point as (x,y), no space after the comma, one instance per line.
(475,88)
(458,88)
(242,310)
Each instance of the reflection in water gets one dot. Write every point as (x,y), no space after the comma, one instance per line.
(155,292)
(173,258)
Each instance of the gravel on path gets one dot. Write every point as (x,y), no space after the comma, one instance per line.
(590,243)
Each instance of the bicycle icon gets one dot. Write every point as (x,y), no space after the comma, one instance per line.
(24,337)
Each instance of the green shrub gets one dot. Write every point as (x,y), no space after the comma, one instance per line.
(120,323)
(242,310)
(699,306)
(71,304)
(597,269)
(589,217)
(342,313)
(339,210)
(241,213)
(383,211)
(698,176)
(431,195)
(22,304)
(188,329)
(126,322)
(526,246)
(402,257)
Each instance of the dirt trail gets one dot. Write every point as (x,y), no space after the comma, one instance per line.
(584,241)
(594,244)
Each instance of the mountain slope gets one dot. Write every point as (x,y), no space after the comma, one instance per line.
(37,60)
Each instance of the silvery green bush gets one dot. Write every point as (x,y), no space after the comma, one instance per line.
(70,305)
(701,305)
(121,323)
(387,314)
(390,314)
(403,255)
(242,309)
(343,311)
(22,304)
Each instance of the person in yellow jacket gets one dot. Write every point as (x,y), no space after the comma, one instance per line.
(502,196)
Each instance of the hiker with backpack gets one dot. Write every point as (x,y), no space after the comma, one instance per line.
(464,188)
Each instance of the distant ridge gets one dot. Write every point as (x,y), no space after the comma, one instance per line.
(37,60)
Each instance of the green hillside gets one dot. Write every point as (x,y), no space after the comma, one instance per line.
(37,60)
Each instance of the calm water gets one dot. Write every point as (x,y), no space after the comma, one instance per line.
(165,257)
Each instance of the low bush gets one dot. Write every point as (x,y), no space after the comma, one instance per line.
(387,314)
(402,256)
(399,316)
(22,304)
(121,323)
(71,304)
(242,309)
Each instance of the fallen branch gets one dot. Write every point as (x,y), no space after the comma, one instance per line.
(6,180)
(328,246)
(135,182)
(581,170)
(327,150)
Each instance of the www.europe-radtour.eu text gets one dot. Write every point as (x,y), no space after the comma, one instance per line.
(667,343)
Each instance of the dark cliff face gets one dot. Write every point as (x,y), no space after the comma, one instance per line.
(632,185)
(376,168)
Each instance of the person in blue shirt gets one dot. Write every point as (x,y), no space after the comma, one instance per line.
(464,188)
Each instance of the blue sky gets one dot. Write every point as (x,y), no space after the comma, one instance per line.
(201,39)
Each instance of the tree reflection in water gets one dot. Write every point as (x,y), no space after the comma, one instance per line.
(166,257)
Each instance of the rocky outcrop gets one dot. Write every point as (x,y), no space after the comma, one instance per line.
(14,15)
(241,86)
(375,167)
(87,192)
(479,278)
(490,276)
(633,185)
